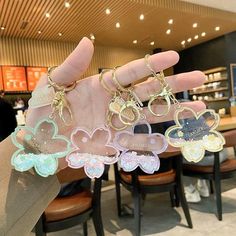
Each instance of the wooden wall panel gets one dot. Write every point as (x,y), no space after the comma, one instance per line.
(31,52)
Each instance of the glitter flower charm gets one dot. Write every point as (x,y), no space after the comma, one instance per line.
(92,151)
(195,132)
(39,148)
(140,149)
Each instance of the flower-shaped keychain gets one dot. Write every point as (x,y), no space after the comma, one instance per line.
(85,145)
(39,148)
(140,149)
(195,132)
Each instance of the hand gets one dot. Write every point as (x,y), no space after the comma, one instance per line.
(89,101)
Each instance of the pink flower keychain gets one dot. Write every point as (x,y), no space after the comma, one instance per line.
(92,151)
(140,149)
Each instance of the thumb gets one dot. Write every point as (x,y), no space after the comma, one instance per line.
(74,66)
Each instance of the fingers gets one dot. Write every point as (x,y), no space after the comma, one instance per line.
(196,106)
(177,83)
(138,69)
(74,66)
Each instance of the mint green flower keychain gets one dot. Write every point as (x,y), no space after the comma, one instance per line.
(39,148)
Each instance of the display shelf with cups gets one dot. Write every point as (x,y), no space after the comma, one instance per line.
(215,91)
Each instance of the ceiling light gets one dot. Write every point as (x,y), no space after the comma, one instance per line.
(117,25)
(189,40)
(47,15)
(194,25)
(108,11)
(152,43)
(92,37)
(39,32)
(141,17)
(183,42)
(60,34)
(203,34)
(168,31)
(170,21)
(217,28)
(2,28)
(196,37)
(135,41)
(67,4)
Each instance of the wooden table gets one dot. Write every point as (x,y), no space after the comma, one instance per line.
(227,123)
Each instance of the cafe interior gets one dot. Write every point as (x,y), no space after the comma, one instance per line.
(186,198)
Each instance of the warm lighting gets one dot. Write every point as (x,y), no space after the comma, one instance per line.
(2,28)
(60,34)
(47,15)
(196,37)
(108,11)
(39,32)
(135,41)
(168,31)
(217,28)
(203,34)
(117,25)
(183,42)
(67,4)
(189,40)
(152,43)
(170,21)
(194,25)
(141,17)
(92,37)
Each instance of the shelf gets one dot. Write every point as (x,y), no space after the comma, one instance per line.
(217,80)
(215,70)
(217,99)
(209,91)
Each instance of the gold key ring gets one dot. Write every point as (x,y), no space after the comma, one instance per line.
(55,85)
(164,94)
(109,122)
(103,83)
(135,110)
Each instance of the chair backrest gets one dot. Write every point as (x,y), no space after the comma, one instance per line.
(68,175)
(169,154)
(230,138)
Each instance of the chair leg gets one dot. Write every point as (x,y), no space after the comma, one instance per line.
(118,195)
(39,228)
(176,197)
(217,179)
(218,198)
(211,186)
(172,198)
(97,221)
(85,228)
(137,218)
(184,205)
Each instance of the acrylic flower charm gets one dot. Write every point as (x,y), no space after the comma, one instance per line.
(195,132)
(92,151)
(39,148)
(140,149)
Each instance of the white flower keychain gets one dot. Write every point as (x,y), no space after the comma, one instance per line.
(193,132)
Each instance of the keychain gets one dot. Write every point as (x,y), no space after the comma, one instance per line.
(140,149)
(39,148)
(194,132)
(92,151)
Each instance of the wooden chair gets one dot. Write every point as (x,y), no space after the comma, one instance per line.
(66,212)
(218,171)
(169,181)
